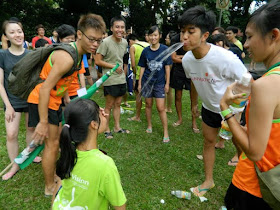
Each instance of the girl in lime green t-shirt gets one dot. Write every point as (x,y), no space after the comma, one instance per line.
(90,179)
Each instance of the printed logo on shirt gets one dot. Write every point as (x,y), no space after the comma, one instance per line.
(154,65)
(210,78)
(78,181)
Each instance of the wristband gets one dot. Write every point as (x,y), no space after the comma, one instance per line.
(229,117)
(225,113)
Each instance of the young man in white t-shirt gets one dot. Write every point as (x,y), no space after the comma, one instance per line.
(211,70)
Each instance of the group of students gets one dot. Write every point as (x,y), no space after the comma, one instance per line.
(89,177)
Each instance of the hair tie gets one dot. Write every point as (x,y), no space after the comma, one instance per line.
(67,125)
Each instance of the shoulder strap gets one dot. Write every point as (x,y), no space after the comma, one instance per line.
(139,45)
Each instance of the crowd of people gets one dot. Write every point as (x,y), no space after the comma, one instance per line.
(76,172)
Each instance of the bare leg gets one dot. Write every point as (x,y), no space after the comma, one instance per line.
(29,130)
(110,100)
(178,105)
(12,129)
(149,105)
(168,100)
(49,158)
(117,113)
(209,135)
(162,115)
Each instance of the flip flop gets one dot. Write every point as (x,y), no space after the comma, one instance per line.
(200,190)
(133,119)
(166,139)
(175,124)
(108,135)
(196,130)
(122,131)
(149,130)
(233,162)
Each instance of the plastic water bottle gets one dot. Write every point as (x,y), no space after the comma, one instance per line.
(225,132)
(242,86)
(181,194)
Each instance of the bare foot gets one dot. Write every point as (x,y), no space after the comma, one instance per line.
(49,190)
(176,124)
(220,145)
(134,119)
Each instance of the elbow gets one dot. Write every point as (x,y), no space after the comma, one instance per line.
(255,157)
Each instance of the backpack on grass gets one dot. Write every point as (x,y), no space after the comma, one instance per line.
(26,72)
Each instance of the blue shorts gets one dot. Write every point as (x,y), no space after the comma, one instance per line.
(153,91)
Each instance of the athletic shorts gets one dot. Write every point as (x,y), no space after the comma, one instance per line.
(136,85)
(115,90)
(54,116)
(241,200)
(180,82)
(210,118)
(25,109)
(87,73)
(157,91)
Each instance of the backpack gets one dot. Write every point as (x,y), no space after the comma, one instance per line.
(25,75)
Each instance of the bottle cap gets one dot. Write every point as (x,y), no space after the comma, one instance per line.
(246,79)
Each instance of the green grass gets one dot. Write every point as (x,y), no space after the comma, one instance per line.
(149,169)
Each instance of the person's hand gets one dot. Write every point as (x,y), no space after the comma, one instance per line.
(41,133)
(166,88)
(228,97)
(102,111)
(10,114)
(66,100)
(119,70)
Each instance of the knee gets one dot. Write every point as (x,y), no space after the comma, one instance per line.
(117,104)
(148,105)
(12,136)
(209,141)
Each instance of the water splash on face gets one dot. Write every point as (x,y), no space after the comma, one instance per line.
(155,65)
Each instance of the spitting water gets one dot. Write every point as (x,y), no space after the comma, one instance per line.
(155,65)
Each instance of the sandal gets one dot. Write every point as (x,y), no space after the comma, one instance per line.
(166,139)
(175,124)
(233,162)
(199,190)
(196,130)
(108,135)
(133,119)
(149,130)
(122,131)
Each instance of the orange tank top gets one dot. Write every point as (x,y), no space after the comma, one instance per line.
(57,92)
(245,177)
(75,85)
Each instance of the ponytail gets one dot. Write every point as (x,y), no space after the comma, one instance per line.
(68,155)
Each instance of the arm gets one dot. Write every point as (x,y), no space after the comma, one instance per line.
(4,41)
(33,42)
(100,62)
(194,100)
(82,80)
(123,207)
(125,68)
(62,63)
(176,58)
(262,108)
(167,77)
(140,78)
(132,59)
(10,112)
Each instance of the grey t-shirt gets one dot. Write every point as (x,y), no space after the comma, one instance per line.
(7,62)
(113,53)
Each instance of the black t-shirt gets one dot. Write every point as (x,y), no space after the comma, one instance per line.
(7,62)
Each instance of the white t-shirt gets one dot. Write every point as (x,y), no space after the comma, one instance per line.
(212,74)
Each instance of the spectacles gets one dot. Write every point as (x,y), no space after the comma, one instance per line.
(98,41)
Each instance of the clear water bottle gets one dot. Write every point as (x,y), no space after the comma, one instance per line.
(181,194)
(242,86)
(225,132)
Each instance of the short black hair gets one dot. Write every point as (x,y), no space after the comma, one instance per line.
(233,29)
(41,43)
(65,30)
(39,26)
(132,37)
(219,37)
(117,18)
(153,29)
(199,17)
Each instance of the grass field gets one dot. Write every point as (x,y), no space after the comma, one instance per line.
(148,168)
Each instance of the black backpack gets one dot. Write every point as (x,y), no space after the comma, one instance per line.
(26,72)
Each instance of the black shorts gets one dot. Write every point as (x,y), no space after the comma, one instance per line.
(179,81)
(87,73)
(25,109)
(211,119)
(136,85)
(54,117)
(115,90)
(241,200)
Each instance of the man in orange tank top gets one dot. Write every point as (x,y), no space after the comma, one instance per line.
(45,99)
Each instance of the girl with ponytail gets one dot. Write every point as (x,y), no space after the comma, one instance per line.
(90,179)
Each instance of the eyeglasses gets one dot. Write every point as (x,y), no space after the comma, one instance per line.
(98,41)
